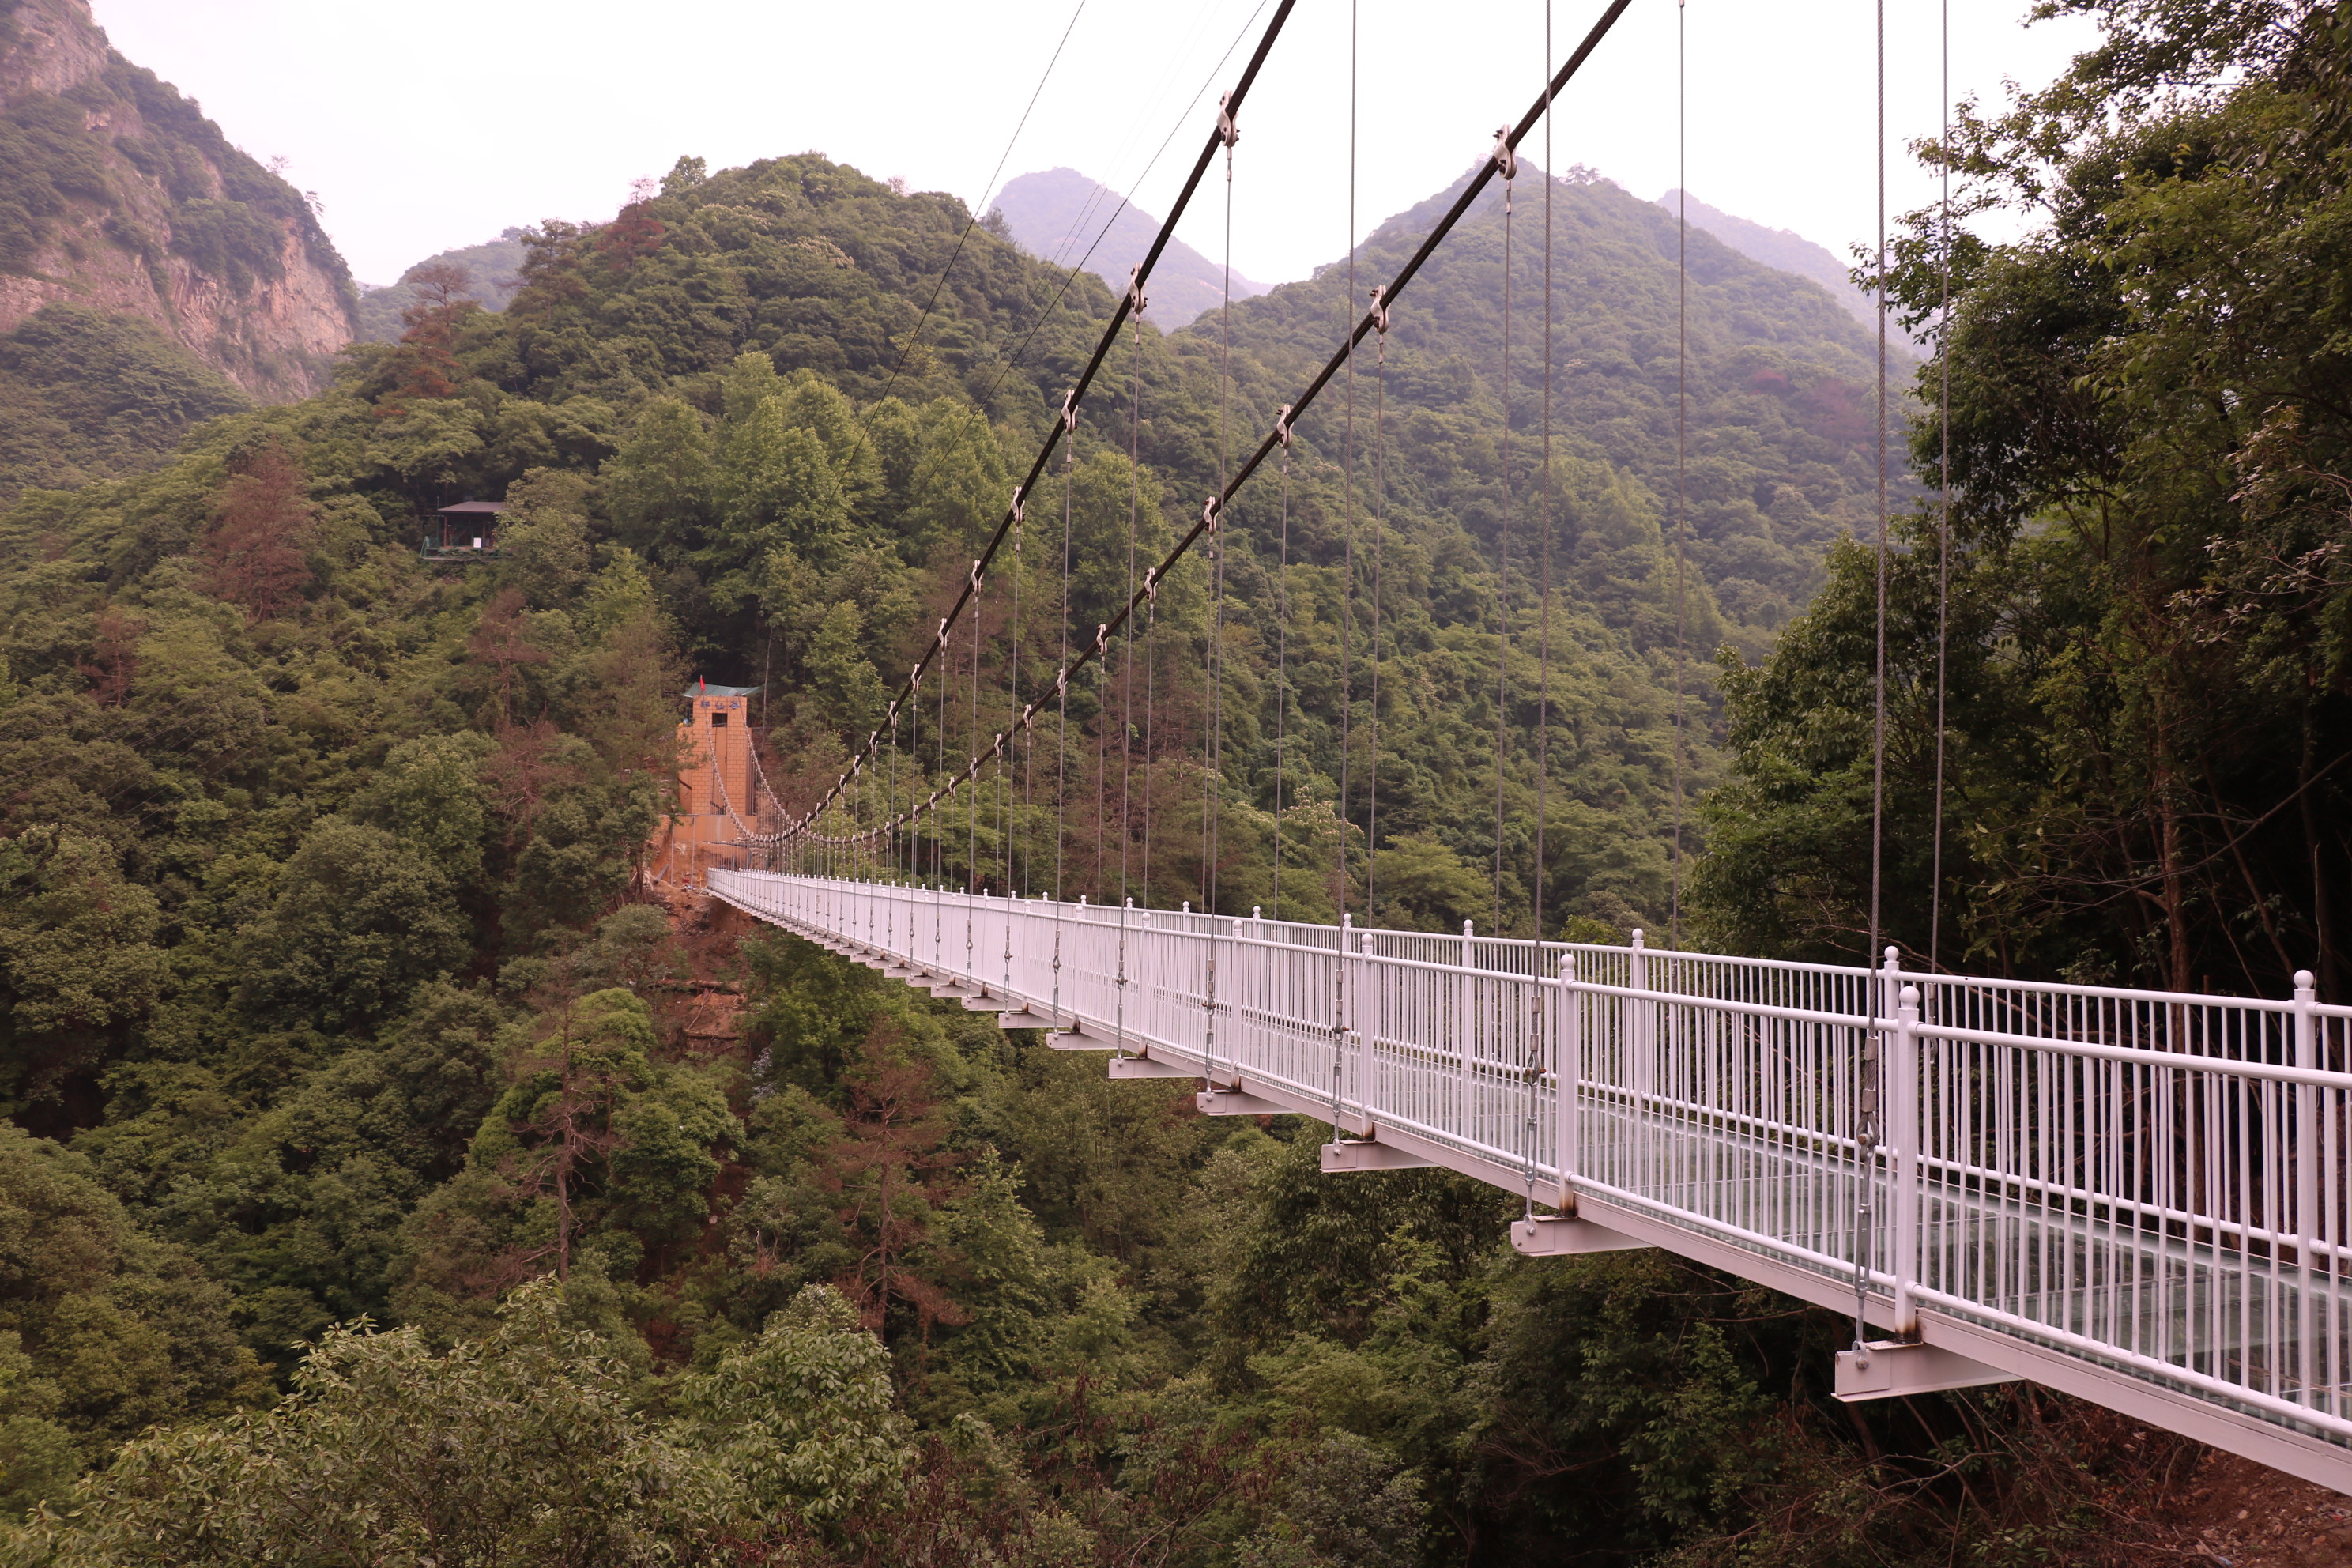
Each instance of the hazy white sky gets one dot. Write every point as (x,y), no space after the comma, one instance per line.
(439,122)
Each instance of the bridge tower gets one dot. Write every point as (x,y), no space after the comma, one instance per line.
(715,776)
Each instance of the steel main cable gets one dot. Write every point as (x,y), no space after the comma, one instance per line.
(1210,518)
(1078,392)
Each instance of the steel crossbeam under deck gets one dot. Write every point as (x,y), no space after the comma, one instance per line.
(2142,1199)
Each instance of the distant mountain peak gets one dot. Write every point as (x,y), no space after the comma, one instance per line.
(1055,215)
(1785,249)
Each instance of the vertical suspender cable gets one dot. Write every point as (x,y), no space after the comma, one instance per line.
(1543,636)
(1372,642)
(1681,437)
(1126,655)
(1866,1136)
(1878,721)
(1348,497)
(1503,532)
(1543,1050)
(1021,736)
(1944,521)
(1281,659)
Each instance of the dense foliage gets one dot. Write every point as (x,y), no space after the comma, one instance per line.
(2148,700)
(85,395)
(493,271)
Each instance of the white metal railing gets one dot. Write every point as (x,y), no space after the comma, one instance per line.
(2158,1184)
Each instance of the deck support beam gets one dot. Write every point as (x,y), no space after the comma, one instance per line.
(1889,1369)
(1565,1235)
(1344,1155)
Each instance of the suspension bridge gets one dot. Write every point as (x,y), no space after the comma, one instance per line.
(2140,1198)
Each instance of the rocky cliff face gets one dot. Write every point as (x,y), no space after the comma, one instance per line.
(118,196)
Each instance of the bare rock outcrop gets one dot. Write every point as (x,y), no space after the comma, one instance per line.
(117,195)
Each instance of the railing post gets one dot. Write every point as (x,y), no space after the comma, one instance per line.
(2310,1221)
(1638,1028)
(1903,1137)
(1568,1073)
(1465,1023)
(1339,1021)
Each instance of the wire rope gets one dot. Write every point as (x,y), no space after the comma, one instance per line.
(1543,641)
(1867,1132)
(1380,536)
(1503,533)
(1944,520)
(1472,189)
(1682,447)
(1545,1050)
(973,220)
(1281,659)
(1347,509)
(1127,650)
(1086,378)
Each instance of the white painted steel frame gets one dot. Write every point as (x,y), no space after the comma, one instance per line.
(2140,1198)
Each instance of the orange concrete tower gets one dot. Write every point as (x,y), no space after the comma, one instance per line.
(716,786)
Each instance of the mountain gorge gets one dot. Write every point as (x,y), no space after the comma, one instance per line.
(392,1169)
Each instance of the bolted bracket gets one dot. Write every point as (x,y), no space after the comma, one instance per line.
(1125,1067)
(1030,1019)
(1351,1154)
(1888,1369)
(1558,1235)
(1216,1101)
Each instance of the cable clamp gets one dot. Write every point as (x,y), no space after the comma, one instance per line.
(915,680)
(1135,299)
(975,581)
(1019,512)
(1151,583)
(1210,511)
(1507,160)
(1282,430)
(1062,683)
(941,641)
(1027,713)
(1070,412)
(998,748)
(1227,133)
(1381,309)
(1102,639)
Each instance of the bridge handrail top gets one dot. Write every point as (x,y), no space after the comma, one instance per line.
(1923,978)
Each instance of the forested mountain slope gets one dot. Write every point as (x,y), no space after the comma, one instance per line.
(493,271)
(2144,705)
(327,989)
(1778,247)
